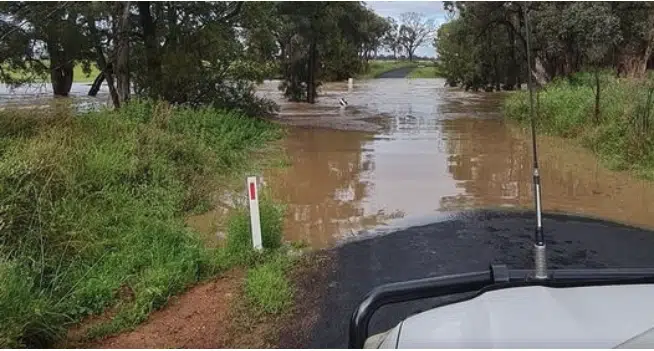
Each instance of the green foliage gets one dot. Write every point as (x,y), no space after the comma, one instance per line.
(268,287)
(325,41)
(483,46)
(623,138)
(184,53)
(92,210)
(29,25)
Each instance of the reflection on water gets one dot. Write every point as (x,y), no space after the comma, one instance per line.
(442,151)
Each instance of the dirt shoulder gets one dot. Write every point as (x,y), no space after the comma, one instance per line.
(215,314)
(198,318)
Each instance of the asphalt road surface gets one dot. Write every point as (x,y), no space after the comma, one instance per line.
(397,73)
(469,242)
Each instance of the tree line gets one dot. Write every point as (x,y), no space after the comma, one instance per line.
(197,53)
(483,46)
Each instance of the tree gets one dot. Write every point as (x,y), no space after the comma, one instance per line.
(414,31)
(44,40)
(391,39)
(325,40)
(567,37)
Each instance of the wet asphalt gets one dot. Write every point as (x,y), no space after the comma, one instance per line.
(468,242)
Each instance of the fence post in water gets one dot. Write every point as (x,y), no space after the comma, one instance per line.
(350,84)
(255,222)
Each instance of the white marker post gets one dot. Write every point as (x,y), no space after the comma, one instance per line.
(350,84)
(255,222)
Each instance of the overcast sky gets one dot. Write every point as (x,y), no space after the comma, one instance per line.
(431,9)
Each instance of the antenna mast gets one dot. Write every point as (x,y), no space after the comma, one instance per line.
(540,257)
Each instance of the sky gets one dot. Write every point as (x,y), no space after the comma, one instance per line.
(431,9)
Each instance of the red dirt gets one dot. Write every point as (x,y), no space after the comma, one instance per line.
(213,315)
(197,319)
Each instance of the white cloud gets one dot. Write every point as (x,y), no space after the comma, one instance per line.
(431,9)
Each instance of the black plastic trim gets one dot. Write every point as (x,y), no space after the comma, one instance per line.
(497,277)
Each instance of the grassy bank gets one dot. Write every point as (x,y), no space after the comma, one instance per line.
(78,75)
(428,70)
(92,213)
(621,134)
(377,68)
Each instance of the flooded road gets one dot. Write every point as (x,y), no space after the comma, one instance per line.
(436,151)
(407,152)
(40,95)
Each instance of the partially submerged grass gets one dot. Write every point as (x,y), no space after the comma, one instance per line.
(92,211)
(239,238)
(621,136)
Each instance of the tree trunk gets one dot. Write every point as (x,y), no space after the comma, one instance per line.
(122,52)
(105,67)
(597,95)
(153,61)
(511,80)
(539,73)
(311,86)
(97,83)
(61,77)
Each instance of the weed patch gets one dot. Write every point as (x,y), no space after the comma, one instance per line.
(92,211)
(267,285)
(621,134)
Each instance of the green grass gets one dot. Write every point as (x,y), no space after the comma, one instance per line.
(425,71)
(78,75)
(379,67)
(267,286)
(239,238)
(92,211)
(622,137)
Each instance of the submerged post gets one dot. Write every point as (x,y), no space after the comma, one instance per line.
(350,84)
(255,221)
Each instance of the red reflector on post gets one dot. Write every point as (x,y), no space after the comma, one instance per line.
(253,190)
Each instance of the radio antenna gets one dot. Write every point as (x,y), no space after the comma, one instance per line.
(540,256)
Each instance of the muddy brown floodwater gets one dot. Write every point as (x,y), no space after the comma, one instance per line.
(411,152)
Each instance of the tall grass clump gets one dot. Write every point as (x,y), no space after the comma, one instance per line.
(239,235)
(267,286)
(92,210)
(620,134)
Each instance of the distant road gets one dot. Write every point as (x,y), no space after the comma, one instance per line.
(397,73)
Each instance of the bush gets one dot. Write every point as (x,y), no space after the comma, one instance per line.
(622,136)
(92,210)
